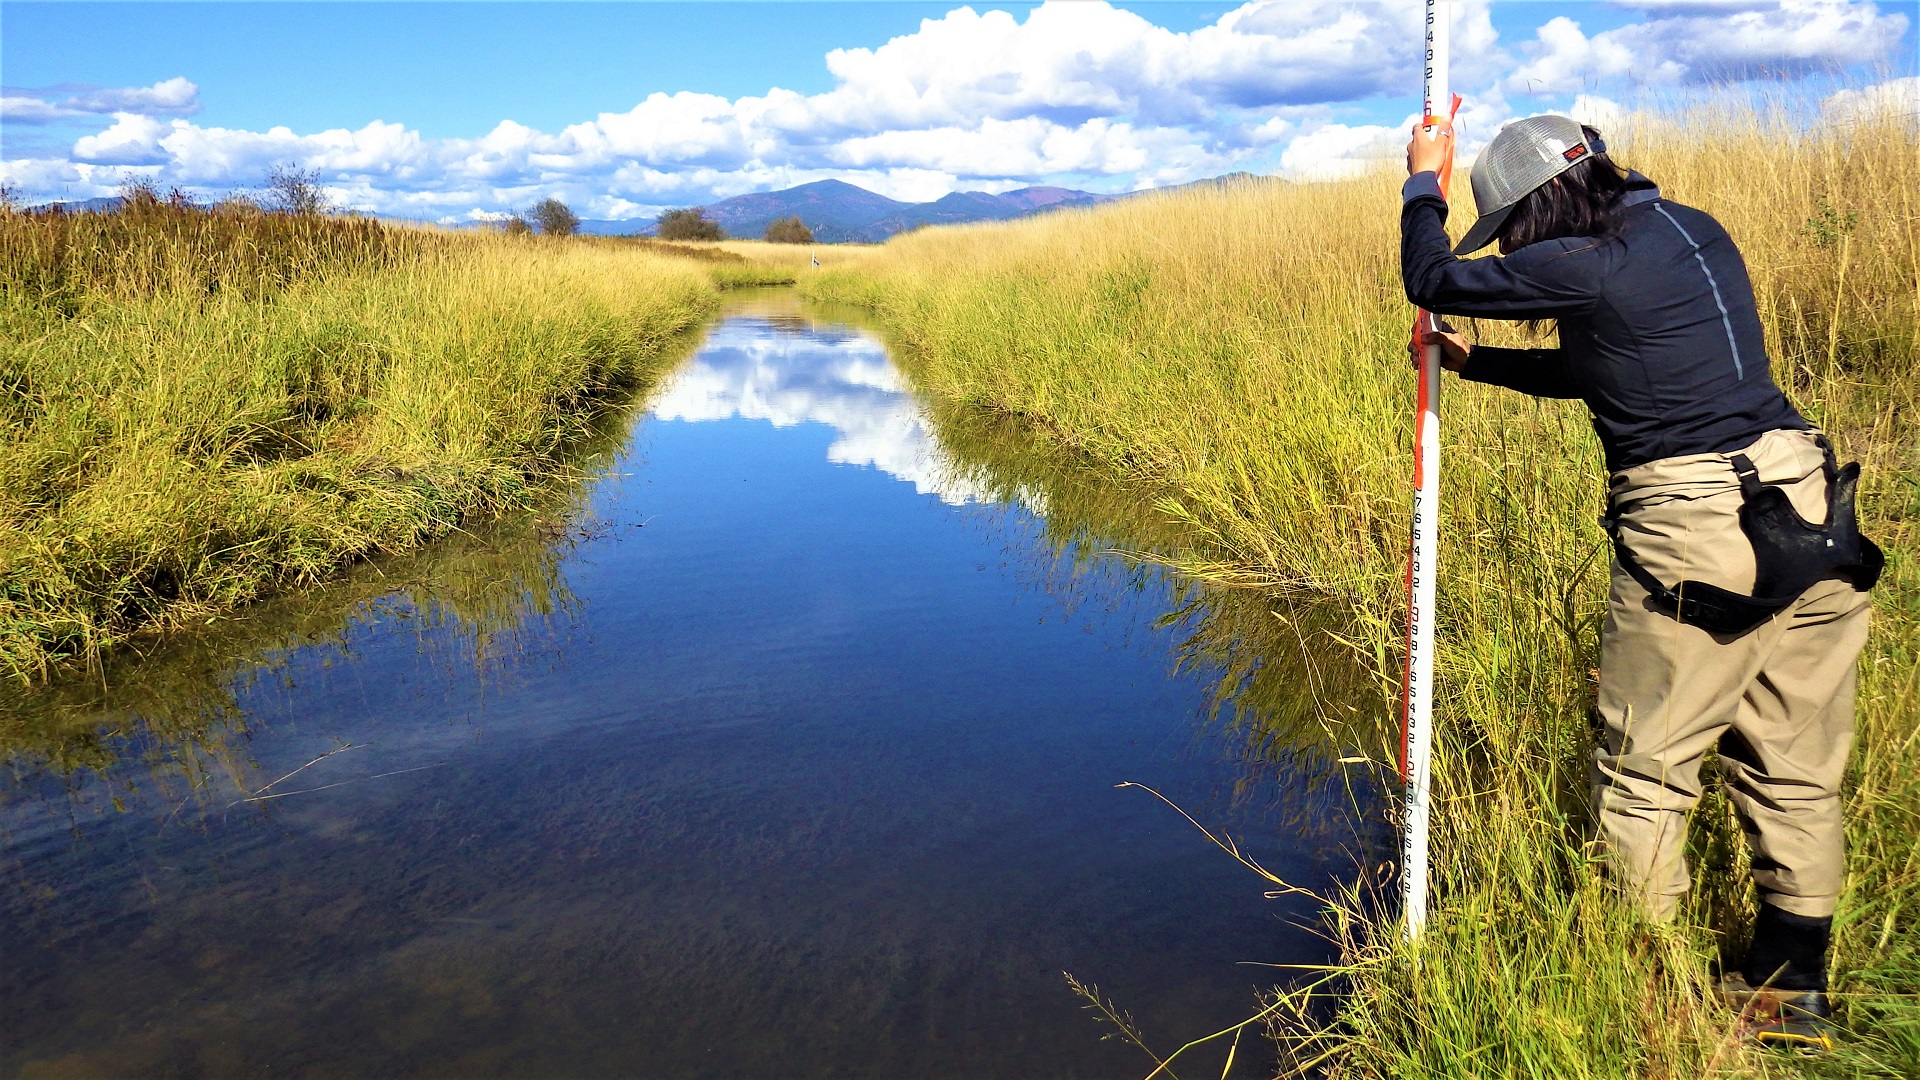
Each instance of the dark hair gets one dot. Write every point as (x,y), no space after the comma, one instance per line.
(1583,201)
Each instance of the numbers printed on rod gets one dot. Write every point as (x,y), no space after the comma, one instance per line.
(1423,559)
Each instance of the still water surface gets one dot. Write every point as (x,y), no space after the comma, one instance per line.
(786,747)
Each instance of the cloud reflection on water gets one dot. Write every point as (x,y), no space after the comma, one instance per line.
(832,376)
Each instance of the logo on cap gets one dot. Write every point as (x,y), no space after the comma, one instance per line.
(1574,152)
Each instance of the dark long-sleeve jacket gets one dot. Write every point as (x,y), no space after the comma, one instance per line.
(1658,332)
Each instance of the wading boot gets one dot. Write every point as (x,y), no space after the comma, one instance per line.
(1773,1016)
(1780,989)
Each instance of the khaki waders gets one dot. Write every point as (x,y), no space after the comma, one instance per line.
(1777,701)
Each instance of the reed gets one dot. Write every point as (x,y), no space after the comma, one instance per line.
(205,407)
(1242,350)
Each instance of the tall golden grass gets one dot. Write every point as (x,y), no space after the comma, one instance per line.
(149,247)
(203,407)
(1242,349)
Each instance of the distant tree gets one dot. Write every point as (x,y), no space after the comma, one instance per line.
(293,190)
(789,230)
(517,226)
(689,224)
(554,217)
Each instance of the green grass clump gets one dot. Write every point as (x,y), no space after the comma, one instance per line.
(1241,349)
(204,407)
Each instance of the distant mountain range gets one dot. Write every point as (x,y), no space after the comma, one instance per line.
(839,212)
(84,206)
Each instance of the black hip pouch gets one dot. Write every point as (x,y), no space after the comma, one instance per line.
(1790,552)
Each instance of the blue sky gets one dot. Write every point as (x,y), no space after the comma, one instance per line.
(450,111)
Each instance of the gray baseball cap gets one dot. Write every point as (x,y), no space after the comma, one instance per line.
(1526,154)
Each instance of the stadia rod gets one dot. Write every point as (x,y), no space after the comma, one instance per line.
(1417,748)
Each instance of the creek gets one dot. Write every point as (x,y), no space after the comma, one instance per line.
(784,745)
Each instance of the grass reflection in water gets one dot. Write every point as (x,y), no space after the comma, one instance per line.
(161,724)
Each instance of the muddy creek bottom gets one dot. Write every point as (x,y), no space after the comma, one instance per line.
(789,752)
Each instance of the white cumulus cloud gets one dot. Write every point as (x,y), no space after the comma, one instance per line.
(169,97)
(1696,42)
(132,140)
(1893,98)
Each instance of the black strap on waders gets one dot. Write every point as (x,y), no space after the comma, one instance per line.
(1790,553)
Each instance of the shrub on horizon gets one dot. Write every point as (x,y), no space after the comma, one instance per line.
(690,223)
(789,230)
(554,217)
(296,192)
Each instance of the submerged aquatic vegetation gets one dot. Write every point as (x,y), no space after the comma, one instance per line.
(1241,347)
(205,407)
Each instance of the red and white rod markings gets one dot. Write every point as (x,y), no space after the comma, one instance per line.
(1417,745)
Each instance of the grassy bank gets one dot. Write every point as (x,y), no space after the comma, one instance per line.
(1241,349)
(742,264)
(201,408)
